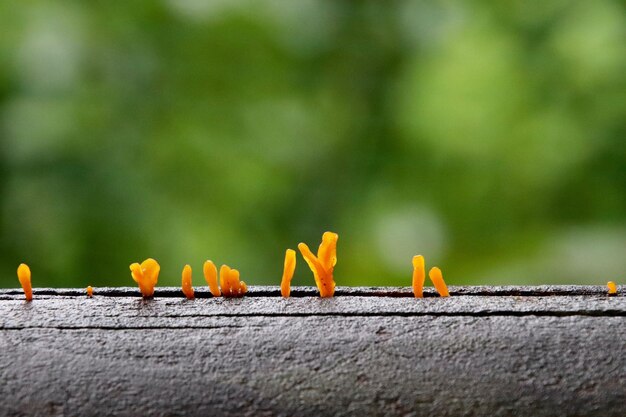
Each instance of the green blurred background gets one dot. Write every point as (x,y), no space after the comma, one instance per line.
(488,136)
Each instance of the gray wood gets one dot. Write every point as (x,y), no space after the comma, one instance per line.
(496,351)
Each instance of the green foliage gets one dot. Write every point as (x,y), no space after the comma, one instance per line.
(488,137)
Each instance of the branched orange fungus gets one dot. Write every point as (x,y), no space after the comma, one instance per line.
(230,283)
(89,291)
(612,287)
(323,264)
(210,275)
(146,276)
(23,274)
(437,278)
(186,283)
(419,276)
(288,270)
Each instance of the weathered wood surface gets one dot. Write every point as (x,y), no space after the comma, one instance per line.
(495,351)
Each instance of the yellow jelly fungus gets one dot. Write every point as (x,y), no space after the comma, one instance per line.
(23,274)
(233,282)
(323,264)
(146,276)
(437,278)
(186,283)
(419,276)
(288,270)
(210,275)
(230,283)
(89,291)
(224,283)
(612,287)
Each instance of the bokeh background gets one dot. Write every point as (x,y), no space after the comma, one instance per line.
(489,136)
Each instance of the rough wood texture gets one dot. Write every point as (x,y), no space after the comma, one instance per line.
(495,351)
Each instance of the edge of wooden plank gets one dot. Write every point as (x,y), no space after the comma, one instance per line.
(309,291)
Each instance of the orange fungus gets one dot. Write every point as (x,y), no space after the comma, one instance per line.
(186,283)
(323,264)
(437,278)
(612,287)
(231,285)
(146,276)
(224,283)
(210,275)
(289,268)
(419,276)
(23,274)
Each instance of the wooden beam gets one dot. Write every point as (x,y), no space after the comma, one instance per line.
(529,351)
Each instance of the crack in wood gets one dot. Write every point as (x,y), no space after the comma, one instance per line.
(298,292)
(124,328)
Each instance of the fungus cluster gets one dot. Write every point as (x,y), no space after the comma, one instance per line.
(230,283)
(323,264)
(419,276)
(146,276)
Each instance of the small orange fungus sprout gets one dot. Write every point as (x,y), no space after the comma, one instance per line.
(612,287)
(419,276)
(210,275)
(146,276)
(23,274)
(230,283)
(89,291)
(437,278)
(289,268)
(186,283)
(323,264)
